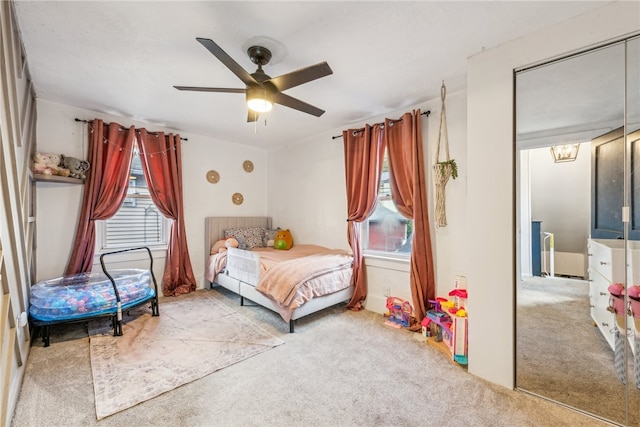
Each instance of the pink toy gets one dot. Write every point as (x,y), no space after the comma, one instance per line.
(616,289)
(633,292)
(426,327)
(398,312)
(460,293)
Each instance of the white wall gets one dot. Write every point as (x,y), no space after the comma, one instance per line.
(306,193)
(491,273)
(523,211)
(58,205)
(561,199)
(450,242)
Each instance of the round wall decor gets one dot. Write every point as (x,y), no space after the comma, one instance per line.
(248,166)
(237,198)
(213,176)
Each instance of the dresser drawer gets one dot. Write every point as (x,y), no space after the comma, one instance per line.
(598,287)
(599,301)
(608,260)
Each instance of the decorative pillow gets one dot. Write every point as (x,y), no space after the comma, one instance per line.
(252,236)
(269,237)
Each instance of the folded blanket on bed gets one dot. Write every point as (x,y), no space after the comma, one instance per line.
(282,282)
(217,262)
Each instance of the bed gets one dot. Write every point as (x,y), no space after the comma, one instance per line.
(86,296)
(281,285)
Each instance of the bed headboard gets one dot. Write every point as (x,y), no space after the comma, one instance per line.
(214,227)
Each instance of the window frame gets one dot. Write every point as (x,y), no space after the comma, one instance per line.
(131,201)
(364,228)
(101,237)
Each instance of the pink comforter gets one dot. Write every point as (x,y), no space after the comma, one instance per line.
(291,278)
(293,282)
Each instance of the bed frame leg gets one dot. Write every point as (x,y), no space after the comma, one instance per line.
(291,326)
(241,301)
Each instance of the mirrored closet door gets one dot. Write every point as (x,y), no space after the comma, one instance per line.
(578,235)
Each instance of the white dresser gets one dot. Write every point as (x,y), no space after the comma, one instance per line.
(606,266)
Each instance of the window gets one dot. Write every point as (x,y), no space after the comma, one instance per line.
(138,222)
(387,231)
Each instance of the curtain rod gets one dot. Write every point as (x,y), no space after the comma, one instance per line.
(89,121)
(426,113)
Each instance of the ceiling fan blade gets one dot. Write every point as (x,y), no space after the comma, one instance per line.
(303,75)
(296,104)
(211,89)
(227,61)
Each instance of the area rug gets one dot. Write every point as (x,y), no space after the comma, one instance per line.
(194,336)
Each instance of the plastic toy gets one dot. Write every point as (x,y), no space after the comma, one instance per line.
(426,329)
(447,321)
(461,293)
(616,289)
(398,312)
(634,292)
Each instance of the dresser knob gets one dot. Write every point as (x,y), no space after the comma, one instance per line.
(603,263)
(603,293)
(605,324)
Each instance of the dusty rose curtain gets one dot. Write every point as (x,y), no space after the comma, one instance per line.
(403,140)
(363,156)
(105,187)
(161,158)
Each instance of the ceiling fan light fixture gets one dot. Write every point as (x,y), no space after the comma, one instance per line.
(258,100)
(260,89)
(565,153)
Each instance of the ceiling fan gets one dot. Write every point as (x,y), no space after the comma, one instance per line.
(261,90)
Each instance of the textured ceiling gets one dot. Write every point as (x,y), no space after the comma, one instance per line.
(123,58)
(578,98)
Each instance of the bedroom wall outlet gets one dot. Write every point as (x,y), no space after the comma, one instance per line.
(387,292)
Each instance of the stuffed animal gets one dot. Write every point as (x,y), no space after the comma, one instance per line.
(48,164)
(76,167)
(283,240)
(269,237)
(223,244)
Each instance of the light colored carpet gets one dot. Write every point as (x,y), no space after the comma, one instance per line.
(191,338)
(340,368)
(563,356)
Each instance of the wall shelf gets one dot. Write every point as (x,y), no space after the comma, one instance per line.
(56,178)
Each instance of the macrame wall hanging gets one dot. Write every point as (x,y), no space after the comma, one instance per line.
(445,169)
